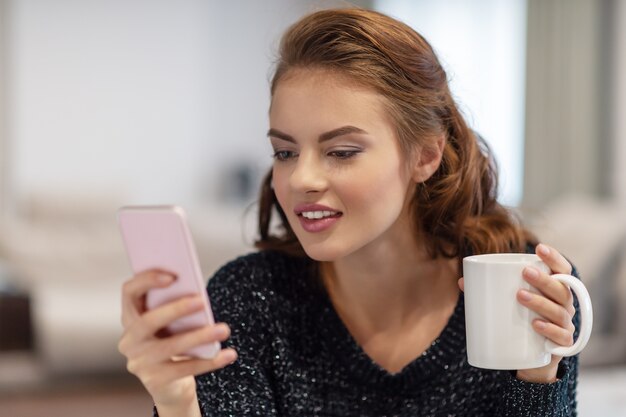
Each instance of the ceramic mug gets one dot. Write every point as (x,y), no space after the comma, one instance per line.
(498,328)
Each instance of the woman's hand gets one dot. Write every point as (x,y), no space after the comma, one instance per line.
(151,357)
(555,306)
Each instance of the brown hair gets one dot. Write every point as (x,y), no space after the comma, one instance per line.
(456,208)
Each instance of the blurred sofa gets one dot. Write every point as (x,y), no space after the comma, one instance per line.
(591,232)
(66,253)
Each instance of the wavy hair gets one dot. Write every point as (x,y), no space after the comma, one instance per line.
(456,209)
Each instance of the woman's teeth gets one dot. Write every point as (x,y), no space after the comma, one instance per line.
(318,214)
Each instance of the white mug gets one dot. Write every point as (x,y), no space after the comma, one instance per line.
(498,328)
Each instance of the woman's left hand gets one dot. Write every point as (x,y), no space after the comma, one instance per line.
(555,306)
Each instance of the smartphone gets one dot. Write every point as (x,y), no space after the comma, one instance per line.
(157,237)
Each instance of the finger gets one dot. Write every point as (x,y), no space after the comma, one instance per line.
(461,283)
(178,344)
(545,307)
(557,334)
(551,288)
(223,358)
(555,261)
(135,289)
(158,318)
(138,285)
(137,341)
(186,367)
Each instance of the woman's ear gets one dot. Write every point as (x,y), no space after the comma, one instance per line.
(428,159)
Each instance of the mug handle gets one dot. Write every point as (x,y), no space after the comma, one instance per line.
(586,318)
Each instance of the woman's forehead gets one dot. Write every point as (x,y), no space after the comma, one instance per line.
(306,98)
(328,76)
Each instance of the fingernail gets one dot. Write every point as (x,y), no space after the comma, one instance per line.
(525,295)
(543,249)
(220,331)
(531,273)
(229,355)
(540,324)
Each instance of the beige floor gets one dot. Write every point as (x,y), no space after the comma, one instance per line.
(115,397)
(602,393)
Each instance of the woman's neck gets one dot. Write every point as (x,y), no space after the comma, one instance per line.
(390,287)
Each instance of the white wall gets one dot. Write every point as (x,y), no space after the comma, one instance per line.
(149,98)
(108,95)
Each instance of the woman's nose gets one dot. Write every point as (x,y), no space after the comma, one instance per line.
(308,175)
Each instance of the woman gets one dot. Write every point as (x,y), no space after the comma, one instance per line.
(353,305)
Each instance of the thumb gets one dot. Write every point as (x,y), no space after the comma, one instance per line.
(461,283)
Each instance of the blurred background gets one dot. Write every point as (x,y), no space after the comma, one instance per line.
(105,103)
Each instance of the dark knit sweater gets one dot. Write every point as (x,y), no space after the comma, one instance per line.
(296,358)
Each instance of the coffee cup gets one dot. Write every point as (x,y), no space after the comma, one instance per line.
(498,328)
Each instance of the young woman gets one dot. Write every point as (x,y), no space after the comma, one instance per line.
(353,305)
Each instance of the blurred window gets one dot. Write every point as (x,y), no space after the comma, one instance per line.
(482,47)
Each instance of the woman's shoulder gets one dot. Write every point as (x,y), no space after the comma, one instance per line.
(265,284)
(261,271)
(260,264)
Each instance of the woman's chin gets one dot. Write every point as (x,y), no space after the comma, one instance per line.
(323,253)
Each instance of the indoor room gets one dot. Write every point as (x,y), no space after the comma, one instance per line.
(110,103)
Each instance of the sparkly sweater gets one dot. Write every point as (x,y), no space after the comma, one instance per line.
(296,358)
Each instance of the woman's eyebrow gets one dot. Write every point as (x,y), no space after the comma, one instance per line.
(275,133)
(344,130)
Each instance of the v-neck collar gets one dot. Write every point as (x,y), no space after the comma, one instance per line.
(448,348)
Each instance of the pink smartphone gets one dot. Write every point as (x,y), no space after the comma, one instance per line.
(157,237)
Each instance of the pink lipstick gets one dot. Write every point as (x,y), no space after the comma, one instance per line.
(316,217)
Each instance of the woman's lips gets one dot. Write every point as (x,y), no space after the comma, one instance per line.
(319,225)
(316,217)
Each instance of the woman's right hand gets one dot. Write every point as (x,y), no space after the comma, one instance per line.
(151,357)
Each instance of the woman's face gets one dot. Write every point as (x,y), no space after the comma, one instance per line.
(339,173)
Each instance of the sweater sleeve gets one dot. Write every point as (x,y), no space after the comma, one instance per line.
(521,398)
(244,387)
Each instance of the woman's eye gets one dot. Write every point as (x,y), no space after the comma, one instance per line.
(283,155)
(343,154)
